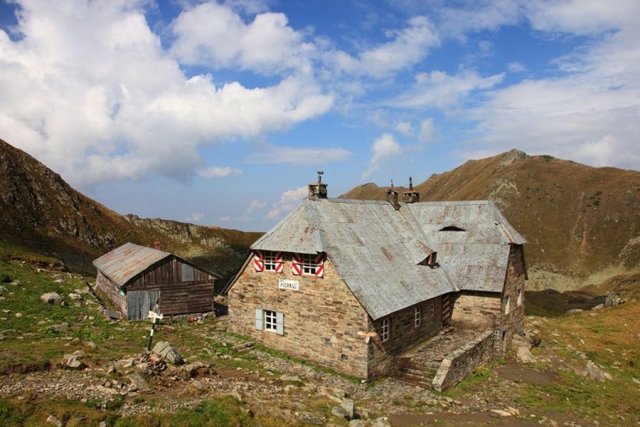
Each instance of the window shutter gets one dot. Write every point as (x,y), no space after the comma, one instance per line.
(296,264)
(279,323)
(320,265)
(258,261)
(259,319)
(279,262)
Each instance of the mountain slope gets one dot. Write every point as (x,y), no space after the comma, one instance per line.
(580,221)
(41,212)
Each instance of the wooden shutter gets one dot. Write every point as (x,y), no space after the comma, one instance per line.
(279,323)
(259,326)
(296,264)
(258,261)
(319,265)
(279,262)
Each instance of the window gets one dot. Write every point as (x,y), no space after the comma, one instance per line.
(520,296)
(187,273)
(432,308)
(417,316)
(507,304)
(268,261)
(269,320)
(385,330)
(308,264)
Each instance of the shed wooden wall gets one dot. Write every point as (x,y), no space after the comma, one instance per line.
(176,296)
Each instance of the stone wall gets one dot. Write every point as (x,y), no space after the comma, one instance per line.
(476,310)
(512,305)
(404,335)
(461,363)
(323,321)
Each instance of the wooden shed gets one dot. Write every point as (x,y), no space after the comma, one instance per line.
(135,278)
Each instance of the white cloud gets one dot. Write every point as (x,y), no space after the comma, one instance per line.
(253,206)
(427,131)
(271,154)
(382,150)
(89,90)
(438,89)
(195,217)
(213,34)
(219,172)
(404,128)
(288,201)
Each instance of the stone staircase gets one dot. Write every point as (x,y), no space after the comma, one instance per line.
(419,365)
(415,372)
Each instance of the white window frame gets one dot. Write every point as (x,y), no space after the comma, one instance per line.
(270,321)
(308,264)
(417,316)
(520,297)
(507,304)
(385,330)
(270,260)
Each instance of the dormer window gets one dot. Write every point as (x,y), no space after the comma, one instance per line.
(430,260)
(308,265)
(268,261)
(452,228)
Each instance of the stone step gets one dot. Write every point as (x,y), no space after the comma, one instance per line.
(415,379)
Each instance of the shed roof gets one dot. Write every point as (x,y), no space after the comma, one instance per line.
(472,238)
(375,249)
(125,262)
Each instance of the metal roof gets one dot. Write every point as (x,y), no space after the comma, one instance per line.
(375,249)
(475,258)
(125,262)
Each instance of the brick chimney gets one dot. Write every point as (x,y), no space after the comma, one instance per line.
(318,190)
(410,196)
(157,245)
(392,197)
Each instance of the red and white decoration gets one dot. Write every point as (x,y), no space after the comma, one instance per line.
(315,265)
(270,261)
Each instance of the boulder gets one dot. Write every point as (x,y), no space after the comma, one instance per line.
(51,298)
(592,371)
(138,383)
(167,352)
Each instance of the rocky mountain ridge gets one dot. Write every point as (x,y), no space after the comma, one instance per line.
(41,212)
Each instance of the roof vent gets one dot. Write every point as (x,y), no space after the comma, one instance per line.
(318,190)
(410,196)
(392,197)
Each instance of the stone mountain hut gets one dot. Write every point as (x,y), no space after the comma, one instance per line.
(361,286)
(135,278)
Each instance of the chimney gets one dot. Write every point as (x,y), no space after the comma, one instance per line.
(392,197)
(410,196)
(319,190)
(157,245)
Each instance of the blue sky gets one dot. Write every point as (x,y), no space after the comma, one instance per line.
(220,113)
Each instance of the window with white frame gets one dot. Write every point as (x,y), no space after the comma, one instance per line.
(385,330)
(520,296)
(270,320)
(507,305)
(417,316)
(271,261)
(309,264)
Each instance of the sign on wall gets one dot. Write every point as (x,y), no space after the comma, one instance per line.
(288,284)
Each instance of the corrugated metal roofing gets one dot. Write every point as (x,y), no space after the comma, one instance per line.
(374,248)
(476,258)
(123,263)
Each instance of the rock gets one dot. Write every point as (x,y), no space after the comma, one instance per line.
(501,413)
(112,314)
(138,383)
(350,408)
(167,352)
(54,421)
(75,296)
(51,298)
(3,290)
(192,369)
(592,371)
(62,327)
(356,423)
(72,361)
(339,412)
(291,378)
(381,422)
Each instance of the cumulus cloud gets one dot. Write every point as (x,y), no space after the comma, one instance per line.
(427,131)
(253,206)
(383,149)
(288,201)
(219,172)
(89,90)
(404,128)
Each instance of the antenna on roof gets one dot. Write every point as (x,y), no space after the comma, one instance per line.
(410,184)
(392,184)
(320,173)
